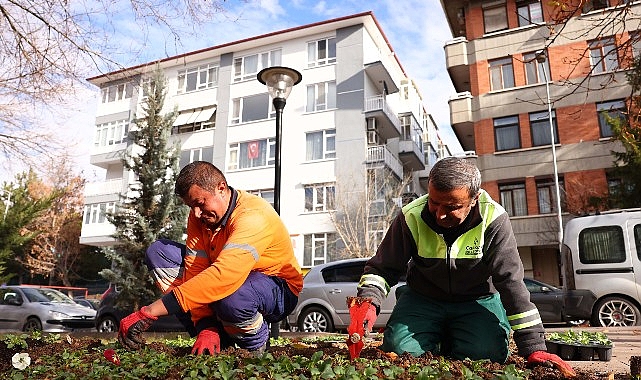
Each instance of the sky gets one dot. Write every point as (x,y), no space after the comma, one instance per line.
(416,29)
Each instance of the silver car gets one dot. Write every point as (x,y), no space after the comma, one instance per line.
(322,304)
(30,308)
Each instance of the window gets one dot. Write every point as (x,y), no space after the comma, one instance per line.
(603,55)
(247,67)
(513,198)
(194,120)
(321,52)
(540,128)
(320,145)
(351,272)
(501,74)
(506,133)
(97,212)
(546,195)
(117,92)
(535,72)
(593,5)
(251,154)
(197,78)
(111,133)
(601,245)
(495,16)
(608,112)
(321,96)
(319,197)
(252,108)
(529,12)
(188,156)
(637,239)
(266,194)
(319,249)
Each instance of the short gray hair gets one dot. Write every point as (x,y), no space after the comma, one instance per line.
(452,173)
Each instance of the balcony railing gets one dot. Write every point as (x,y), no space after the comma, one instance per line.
(113,186)
(380,154)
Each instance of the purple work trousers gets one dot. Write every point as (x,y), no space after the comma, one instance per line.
(238,316)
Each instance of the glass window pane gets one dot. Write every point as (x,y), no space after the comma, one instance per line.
(255,107)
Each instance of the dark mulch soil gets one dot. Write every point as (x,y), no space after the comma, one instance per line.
(39,348)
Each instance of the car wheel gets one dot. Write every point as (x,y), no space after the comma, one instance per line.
(616,311)
(32,324)
(107,324)
(315,319)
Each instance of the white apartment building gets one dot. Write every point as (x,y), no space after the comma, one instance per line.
(354,115)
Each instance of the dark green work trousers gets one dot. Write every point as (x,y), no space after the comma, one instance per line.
(476,329)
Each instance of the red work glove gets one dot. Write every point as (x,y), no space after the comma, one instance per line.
(542,357)
(132,327)
(362,317)
(207,340)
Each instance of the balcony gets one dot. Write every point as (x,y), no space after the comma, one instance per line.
(457,64)
(103,156)
(382,117)
(461,118)
(380,155)
(410,148)
(113,186)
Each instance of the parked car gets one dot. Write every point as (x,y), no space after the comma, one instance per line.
(31,308)
(557,305)
(108,316)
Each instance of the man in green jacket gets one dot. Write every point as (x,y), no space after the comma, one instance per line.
(465,288)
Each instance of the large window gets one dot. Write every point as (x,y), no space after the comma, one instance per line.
(603,55)
(252,108)
(319,197)
(197,78)
(321,52)
(111,133)
(529,12)
(495,16)
(96,213)
(601,245)
(607,112)
(320,145)
(321,96)
(266,194)
(319,249)
(506,133)
(535,72)
(593,5)
(247,67)
(513,198)
(116,92)
(251,154)
(546,195)
(540,128)
(501,74)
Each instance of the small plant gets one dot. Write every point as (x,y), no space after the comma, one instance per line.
(584,338)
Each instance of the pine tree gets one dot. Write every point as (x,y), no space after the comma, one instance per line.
(150,210)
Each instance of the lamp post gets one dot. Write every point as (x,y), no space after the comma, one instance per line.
(541,57)
(279,81)
(7,203)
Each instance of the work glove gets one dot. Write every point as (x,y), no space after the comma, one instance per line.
(362,315)
(207,340)
(545,358)
(132,327)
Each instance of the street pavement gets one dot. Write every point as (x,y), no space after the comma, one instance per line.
(626,343)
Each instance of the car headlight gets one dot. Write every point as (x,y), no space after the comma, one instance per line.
(58,315)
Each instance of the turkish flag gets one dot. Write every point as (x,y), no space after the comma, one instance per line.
(252,150)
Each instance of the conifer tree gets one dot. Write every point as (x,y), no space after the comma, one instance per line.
(150,210)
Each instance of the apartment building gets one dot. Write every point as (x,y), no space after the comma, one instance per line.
(518,76)
(355,119)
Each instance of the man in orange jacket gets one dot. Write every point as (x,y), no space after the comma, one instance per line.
(236,273)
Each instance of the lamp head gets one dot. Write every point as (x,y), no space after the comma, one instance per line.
(540,56)
(279,80)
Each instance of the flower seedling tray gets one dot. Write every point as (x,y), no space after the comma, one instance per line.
(569,351)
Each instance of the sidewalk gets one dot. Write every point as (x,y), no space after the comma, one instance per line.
(627,343)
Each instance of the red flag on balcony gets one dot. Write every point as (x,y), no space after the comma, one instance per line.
(252,150)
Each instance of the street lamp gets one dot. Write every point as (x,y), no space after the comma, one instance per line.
(541,57)
(279,81)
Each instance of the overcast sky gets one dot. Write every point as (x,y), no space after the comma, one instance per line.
(416,29)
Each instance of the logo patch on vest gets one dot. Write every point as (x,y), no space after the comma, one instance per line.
(474,249)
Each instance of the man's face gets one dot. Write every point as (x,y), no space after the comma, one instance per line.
(208,206)
(450,208)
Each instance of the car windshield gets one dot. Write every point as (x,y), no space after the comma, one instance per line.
(46,295)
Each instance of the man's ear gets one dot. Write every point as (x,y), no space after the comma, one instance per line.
(222,186)
(475,199)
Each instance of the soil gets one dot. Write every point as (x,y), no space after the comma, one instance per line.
(39,348)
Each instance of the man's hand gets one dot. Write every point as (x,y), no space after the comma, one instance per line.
(362,317)
(132,327)
(207,340)
(542,357)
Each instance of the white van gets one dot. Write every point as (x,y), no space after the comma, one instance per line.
(602,253)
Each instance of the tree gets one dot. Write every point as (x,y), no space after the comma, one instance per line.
(150,210)
(50,46)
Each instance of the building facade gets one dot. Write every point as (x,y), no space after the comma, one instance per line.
(520,74)
(354,127)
